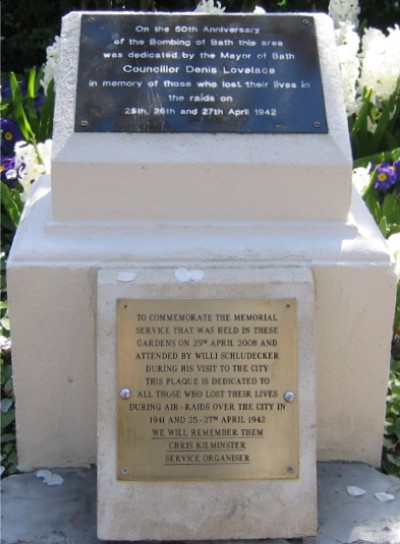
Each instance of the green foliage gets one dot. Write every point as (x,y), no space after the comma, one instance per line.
(380,148)
(34,114)
(8,457)
(385,208)
(387,133)
(32,110)
(385,205)
(391,450)
(11,209)
(8,447)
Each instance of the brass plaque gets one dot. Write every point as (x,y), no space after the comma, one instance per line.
(207,389)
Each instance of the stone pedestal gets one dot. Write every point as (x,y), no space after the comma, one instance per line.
(52,275)
(261,216)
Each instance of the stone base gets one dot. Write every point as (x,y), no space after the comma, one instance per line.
(52,285)
(36,513)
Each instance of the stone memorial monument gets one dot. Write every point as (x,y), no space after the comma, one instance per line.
(196,281)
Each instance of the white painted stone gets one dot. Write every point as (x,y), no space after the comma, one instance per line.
(52,274)
(281,202)
(148,176)
(205,510)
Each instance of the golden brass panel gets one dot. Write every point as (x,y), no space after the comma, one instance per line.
(207,389)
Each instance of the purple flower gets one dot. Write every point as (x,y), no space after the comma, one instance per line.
(7,171)
(396,167)
(10,134)
(6,88)
(385,177)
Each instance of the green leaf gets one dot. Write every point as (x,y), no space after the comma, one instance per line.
(39,77)
(47,114)
(373,205)
(359,128)
(377,158)
(12,204)
(8,386)
(7,418)
(391,208)
(7,224)
(8,437)
(383,226)
(382,126)
(390,140)
(5,323)
(30,101)
(5,374)
(394,460)
(31,88)
(20,115)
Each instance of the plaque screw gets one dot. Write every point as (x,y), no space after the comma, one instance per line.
(125,393)
(306,21)
(125,470)
(317,124)
(289,396)
(84,123)
(290,470)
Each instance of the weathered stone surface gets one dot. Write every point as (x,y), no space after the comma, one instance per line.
(33,513)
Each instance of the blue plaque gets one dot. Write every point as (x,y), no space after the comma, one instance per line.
(199,73)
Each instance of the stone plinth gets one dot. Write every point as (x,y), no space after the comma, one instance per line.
(150,176)
(52,275)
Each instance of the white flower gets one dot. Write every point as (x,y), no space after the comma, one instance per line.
(31,163)
(380,63)
(344,11)
(50,69)
(348,43)
(374,67)
(384,497)
(394,246)
(258,10)
(355,491)
(49,478)
(361,178)
(184,275)
(371,125)
(207,6)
